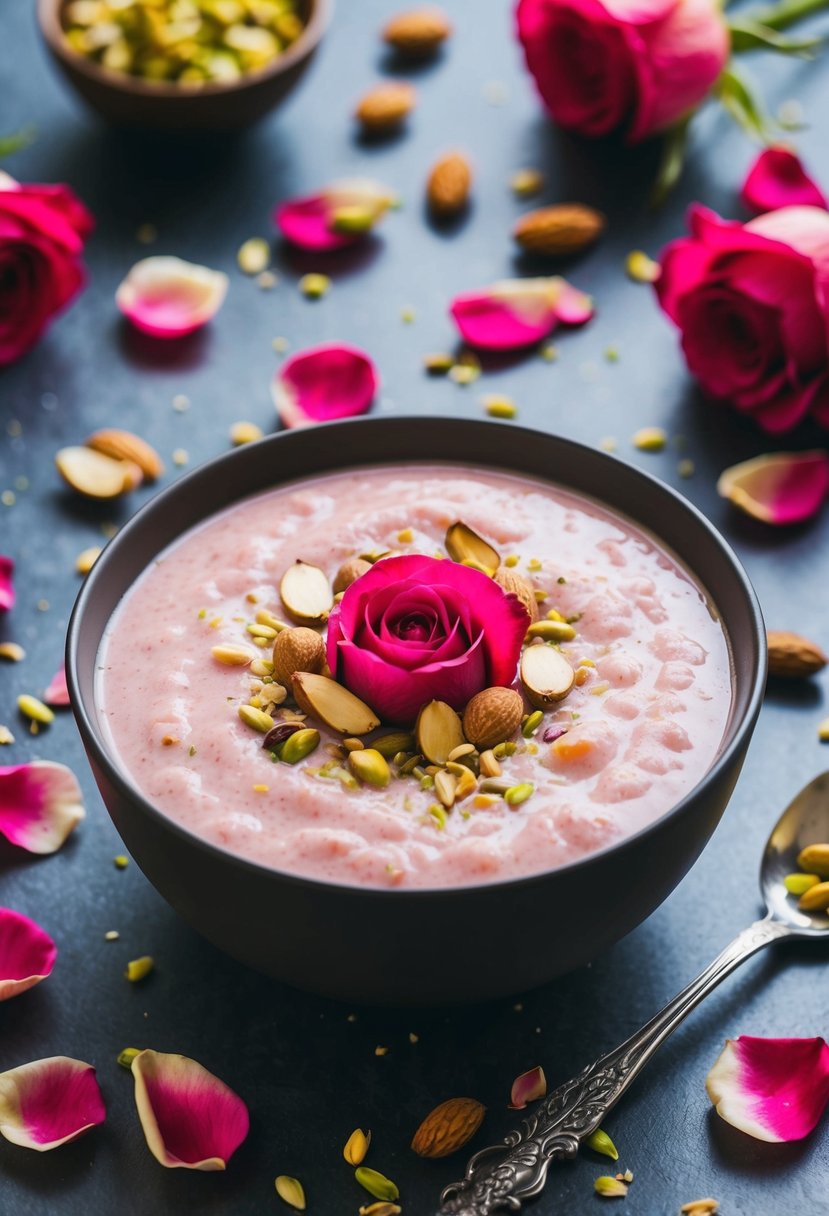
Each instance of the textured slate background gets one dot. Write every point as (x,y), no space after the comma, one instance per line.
(308,1074)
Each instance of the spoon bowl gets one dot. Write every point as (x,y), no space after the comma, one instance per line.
(805,821)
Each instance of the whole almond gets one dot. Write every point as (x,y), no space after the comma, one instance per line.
(447,188)
(123,445)
(349,572)
(383,108)
(514,584)
(561,229)
(493,716)
(448,1127)
(791,655)
(417,33)
(95,475)
(298,649)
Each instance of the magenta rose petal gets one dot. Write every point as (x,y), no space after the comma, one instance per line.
(6,583)
(777,179)
(515,313)
(191,1119)
(772,1089)
(527,1088)
(40,804)
(57,692)
(339,215)
(49,1102)
(27,954)
(323,384)
(167,297)
(780,488)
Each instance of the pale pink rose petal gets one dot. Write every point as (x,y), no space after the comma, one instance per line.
(518,312)
(49,1102)
(191,1119)
(777,179)
(6,584)
(324,383)
(58,692)
(780,488)
(40,804)
(167,297)
(772,1089)
(27,953)
(527,1088)
(341,214)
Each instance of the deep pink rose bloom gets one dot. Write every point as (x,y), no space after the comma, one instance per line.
(630,65)
(777,179)
(42,232)
(414,629)
(752,303)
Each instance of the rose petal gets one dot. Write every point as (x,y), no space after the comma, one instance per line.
(526,1088)
(167,297)
(518,312)
(780,488)
(324,383)
(58,692)
(6,584)
(772,1089)
(777,179)
(311,222)
(191,1119)
(27,954)
(40,804)
(49,1102)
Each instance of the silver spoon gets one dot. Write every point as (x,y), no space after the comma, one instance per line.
(499,1178)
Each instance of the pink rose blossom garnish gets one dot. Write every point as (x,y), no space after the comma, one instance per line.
(324,383)
(527,1088)
(778,179)
(780,488)
(191,1119)
(27,954)
(6,584)
(772,1089)
(57,692)
(518,312)
(49,1102)
(339,215)
(40,804)
(413,629)
(167,297)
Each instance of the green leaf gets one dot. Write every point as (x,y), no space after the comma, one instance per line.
(744,105)
(748,34)
(674,145)
(13,143)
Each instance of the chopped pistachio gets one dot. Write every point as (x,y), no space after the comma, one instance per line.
(823,731)
(315,286)
(290,1191)
(12,652)
(526,182)
(245,432)
(121,861)
(532,723)
(126,1057)
(464,373)
(35,710)
(376,1184)
(516,794)
(685,468)
(86,559)
(438,364)
(356,1146)
(650,439)
(111,935)
(280,345)
(549,352)
(6,737)
(266,280)
(180,457)
(254,255)
(610,1188)
(611,354)
(139,968)
(499,407)
(600,1142)
(641,268)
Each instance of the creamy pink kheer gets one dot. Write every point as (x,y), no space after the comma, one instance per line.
(642,729)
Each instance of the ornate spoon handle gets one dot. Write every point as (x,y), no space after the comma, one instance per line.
(501,1177)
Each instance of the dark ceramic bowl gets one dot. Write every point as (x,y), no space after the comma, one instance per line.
(165,106)
(418,946)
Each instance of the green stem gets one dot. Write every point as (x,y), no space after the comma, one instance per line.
(781,16)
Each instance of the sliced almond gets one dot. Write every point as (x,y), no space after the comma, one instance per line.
(546,675)
(332,704)
(446,785)
(306,593)
(123,445)
(467,547)
(438,731)
(95,475)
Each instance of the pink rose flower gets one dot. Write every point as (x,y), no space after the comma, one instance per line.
(42,233)
(631,65)
(415,629)
(752,304)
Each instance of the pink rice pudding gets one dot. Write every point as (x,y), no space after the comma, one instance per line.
(639,728)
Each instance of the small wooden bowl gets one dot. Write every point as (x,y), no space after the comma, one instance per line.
(130,101)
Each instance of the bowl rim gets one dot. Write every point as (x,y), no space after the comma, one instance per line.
(48,17)
(736,731)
